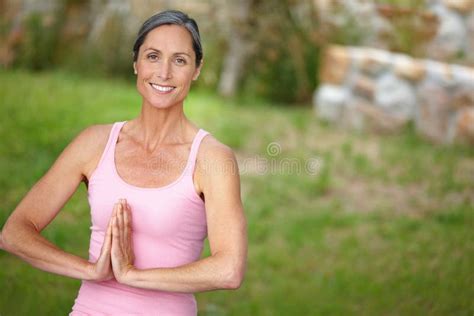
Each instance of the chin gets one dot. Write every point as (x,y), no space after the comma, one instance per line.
(162,104)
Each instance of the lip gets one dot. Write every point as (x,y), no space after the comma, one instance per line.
(162,89)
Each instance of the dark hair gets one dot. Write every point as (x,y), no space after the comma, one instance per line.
(170,17)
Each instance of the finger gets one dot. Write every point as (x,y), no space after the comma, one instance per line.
(115,209)
(127,224)
(120,216)
(123,202)
(114,213)
(115,238)
(121,225)
(122,228)
(106,245)
(125,216)
(129,221)
(107,239)
(113,217)
(128,234)
(114,228)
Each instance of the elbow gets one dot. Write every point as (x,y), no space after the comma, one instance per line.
(6,242)
(8,238)
(235,283)
(234,279)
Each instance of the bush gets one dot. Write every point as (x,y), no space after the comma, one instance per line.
(38,46)
(285,64)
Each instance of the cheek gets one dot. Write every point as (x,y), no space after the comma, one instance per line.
(144,72)
(187,77)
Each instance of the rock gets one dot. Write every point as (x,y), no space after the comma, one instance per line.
(352,117)
(364,86)
(463,6)
(382,91)
(433,111)
(376,119)
(375,62)
(439,72)
(463,75)
(361,115)
(329,101)
(336,64)
(463,91)
(462,130)
(451,36)
(463,96)
(470,39)
(383,28)
(409,68)
(395,96)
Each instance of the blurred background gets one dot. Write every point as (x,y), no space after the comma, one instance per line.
(352,121)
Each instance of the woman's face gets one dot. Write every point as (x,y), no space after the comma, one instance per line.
(166,66)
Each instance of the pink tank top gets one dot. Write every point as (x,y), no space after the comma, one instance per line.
(169,228)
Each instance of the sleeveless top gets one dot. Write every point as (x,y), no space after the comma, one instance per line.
(169,227)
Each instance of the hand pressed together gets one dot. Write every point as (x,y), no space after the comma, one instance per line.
(122,256)
(116,257)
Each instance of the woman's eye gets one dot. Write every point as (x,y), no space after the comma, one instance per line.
(152,57)
(180,61)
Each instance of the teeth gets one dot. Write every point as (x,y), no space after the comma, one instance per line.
(161,88)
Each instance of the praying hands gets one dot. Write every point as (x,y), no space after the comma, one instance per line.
(116,258)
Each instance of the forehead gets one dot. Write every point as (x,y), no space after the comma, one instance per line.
(173,38)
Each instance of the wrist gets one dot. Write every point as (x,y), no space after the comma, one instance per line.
(90,272)
(129,276)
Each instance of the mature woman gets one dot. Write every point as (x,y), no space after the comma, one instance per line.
(157,185)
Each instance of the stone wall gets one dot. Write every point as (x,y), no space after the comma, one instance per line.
(366,88)
(444,29)
(454,38)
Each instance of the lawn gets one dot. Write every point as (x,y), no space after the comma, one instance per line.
(340,223)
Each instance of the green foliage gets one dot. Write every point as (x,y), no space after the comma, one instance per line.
(412,4)
(279,79)
(412,30)
(113,49)
(384,227)
(213,47)
(350,33)
(41,36)
(285,64)
(282,66)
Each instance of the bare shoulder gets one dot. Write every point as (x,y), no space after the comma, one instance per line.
(215,164)
(92,137)
(95,134)
(89,145)
(217,176)
(214,152)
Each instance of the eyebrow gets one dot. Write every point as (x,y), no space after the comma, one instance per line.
(177,53)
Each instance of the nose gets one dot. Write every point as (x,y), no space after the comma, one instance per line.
(164,70)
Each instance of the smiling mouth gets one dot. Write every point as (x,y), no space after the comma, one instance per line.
(162,89)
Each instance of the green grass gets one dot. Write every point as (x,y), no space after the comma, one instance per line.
(383,227)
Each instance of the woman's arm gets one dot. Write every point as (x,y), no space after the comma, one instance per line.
(21,233)
(227,234)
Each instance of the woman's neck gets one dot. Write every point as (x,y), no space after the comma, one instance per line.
(156,127)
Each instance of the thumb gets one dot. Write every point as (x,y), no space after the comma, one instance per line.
(107,245)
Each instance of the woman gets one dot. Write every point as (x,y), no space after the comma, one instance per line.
(157,186)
